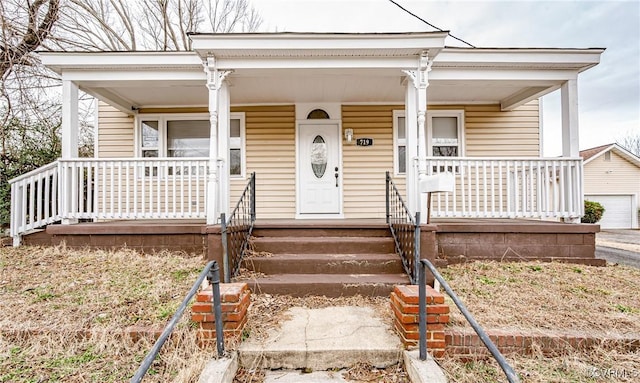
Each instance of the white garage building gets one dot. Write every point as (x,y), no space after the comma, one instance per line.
(612,178)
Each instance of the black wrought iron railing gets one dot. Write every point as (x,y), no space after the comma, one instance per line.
(511,375)
(212,272)
(405,230)
(236,231)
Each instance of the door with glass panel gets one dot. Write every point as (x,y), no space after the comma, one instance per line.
(319,176)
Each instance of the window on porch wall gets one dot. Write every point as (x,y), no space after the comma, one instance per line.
(446,136)
(188,136)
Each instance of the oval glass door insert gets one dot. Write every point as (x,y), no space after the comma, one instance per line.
(319,156)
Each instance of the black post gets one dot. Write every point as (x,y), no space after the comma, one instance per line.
(225,248)
(253,196)
(387,179)
(214,281)
(422,307)
(416,249)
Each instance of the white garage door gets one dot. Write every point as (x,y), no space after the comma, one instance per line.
(618,210)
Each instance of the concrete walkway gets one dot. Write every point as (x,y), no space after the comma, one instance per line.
(317,340)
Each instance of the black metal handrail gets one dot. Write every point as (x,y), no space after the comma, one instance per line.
(212,272)
(404,229)
(236,231)
(511,375)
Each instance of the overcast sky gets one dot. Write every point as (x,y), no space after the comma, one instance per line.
(609,94)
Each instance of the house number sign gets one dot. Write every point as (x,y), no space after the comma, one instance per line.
(364,141)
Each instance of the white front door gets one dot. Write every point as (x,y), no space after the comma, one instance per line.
(319,176)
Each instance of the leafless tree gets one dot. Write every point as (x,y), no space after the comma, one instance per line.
(158,25)
(631,142)
(24,26)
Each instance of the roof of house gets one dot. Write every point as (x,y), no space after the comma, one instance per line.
(589,155)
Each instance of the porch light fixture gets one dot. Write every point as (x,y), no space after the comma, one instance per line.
(348,135)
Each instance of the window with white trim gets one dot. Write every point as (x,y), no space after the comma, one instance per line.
(184,136)
(399,142)
(446,136)
(237,163)
(446,133)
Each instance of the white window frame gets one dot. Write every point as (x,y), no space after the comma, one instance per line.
(459,114)
(242,145)
(162,135)
(397,114)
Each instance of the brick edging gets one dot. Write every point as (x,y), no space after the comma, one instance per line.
(464,343)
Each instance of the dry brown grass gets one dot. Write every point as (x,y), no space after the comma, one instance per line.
(592,366)
(535,295)
(532,296)
(64,291)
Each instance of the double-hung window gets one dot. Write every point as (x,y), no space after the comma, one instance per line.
(446,133)
(444,136)
(400,142)
(184,136)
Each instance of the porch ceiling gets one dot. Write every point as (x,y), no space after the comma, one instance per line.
(319,88)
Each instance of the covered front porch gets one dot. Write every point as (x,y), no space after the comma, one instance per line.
(249,103)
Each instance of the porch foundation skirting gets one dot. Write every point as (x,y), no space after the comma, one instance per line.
(469,240)
(443,242)
(192,238)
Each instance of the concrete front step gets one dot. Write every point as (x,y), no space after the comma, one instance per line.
(330,285)
(323,339)
(326,264)
(324,245)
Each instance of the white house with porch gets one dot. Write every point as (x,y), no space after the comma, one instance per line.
(319,118)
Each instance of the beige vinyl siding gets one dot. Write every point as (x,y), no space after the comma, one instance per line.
(363,168)
(617,176)
(271,153)
(115,133)
(490,132)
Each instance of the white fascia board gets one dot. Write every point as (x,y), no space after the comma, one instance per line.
(134,75)
(63,61)
(254,43)
(624,153)
(504,74)
(577,59)
(319,63)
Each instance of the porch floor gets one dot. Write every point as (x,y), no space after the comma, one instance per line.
(198,225)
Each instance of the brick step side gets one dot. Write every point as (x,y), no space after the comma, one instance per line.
(330,285)
(326,264)
(324,245)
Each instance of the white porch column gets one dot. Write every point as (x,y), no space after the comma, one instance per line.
(420,80)
(69,120)
(223,147)
(69,132)
(569,97)
(411,133)
(570,145)
(215,80)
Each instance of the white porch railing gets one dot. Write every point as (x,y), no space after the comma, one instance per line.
(543,188)
(151,188)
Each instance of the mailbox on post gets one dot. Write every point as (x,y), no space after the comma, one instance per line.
(437,183)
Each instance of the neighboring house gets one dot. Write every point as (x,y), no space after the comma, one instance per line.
(320,118)
(612,178)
